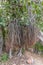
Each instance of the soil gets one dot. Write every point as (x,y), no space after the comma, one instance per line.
(16,60)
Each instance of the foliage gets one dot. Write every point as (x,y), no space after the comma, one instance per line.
(4,57)
(39,47)
(11,9)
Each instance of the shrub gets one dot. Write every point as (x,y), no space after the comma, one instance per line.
(4,57)
(38,47)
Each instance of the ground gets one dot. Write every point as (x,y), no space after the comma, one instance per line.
(16,60)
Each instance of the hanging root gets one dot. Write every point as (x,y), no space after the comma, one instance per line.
(10,53)
(19,52)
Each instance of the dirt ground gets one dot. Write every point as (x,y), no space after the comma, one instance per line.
(16,60)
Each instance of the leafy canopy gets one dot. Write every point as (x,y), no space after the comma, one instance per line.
(11,9)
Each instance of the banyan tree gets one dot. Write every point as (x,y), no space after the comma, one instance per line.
(15,12)
(20,36)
